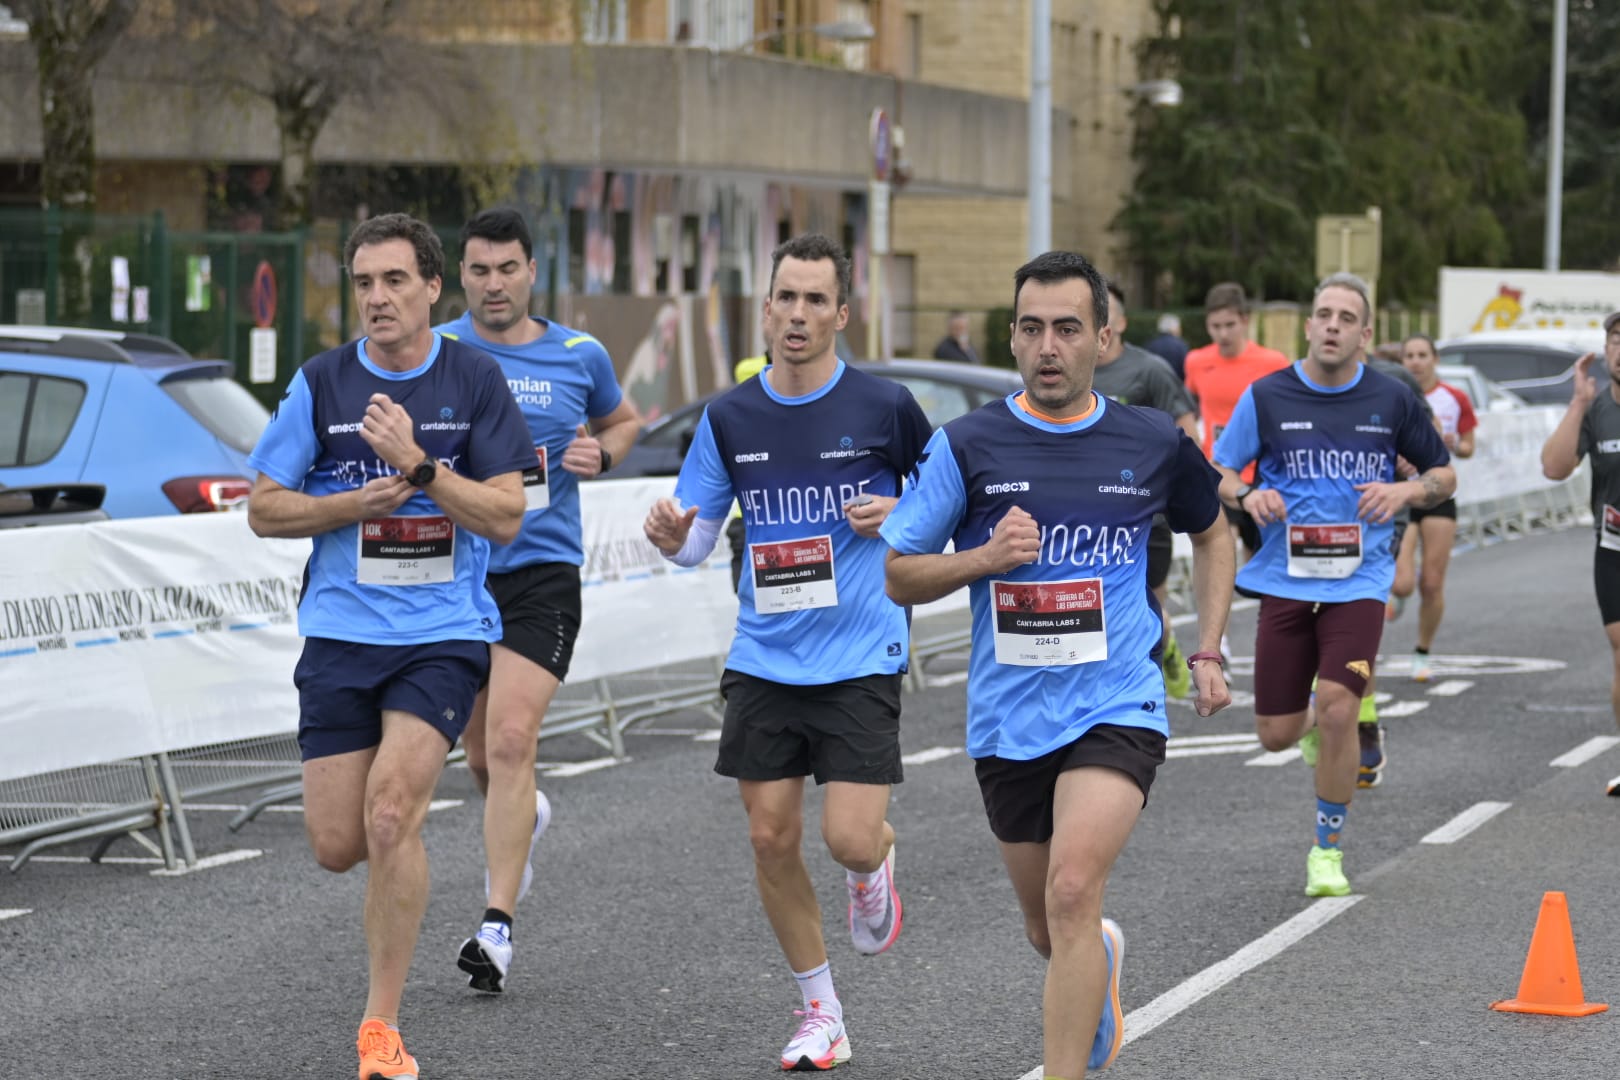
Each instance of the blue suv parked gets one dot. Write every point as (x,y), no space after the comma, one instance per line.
(162,431)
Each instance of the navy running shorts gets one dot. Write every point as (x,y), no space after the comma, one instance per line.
(1019,795)
(344,687)
(540,613)
(847,730)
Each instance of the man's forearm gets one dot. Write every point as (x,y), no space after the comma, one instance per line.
(1434,487)
(294,515)
(619,438)
(920,579)
(1559,453)
(493,511)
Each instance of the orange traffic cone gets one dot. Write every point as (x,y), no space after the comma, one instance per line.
(1551,984)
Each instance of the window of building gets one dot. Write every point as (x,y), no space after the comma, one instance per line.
(911,65)
(604,22)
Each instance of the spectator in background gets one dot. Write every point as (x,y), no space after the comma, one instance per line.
(1170,345)
(956,344)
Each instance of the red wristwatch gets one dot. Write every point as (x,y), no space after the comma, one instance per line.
(1197,656)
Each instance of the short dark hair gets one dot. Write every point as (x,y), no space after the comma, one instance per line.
(1055,267)
(813,247)
(1419,337)
(1228,294)
(1346,280)
(1117,293)
(498,225)
(385,227)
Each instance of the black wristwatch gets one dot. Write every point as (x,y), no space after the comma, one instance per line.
(607,459)
(423,474)
(1243,493)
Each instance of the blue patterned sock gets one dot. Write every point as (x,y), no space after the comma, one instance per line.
(1329,822)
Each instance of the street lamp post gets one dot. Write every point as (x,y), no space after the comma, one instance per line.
(1551,254)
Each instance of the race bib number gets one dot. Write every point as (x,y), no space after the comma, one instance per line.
(1324,551)
(793,575)
(406,551)
(1047,623)
(537,484)
(1609,536)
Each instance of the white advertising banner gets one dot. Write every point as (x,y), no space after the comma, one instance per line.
(641,610)
(1475,300)
(124,638)
(1507,455)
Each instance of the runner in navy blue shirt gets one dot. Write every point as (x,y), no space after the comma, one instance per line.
(1326,433)
(1048,497)
(815,453)
(579,422)
(401,455)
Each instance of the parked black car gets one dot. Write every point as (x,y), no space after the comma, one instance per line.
(945,390)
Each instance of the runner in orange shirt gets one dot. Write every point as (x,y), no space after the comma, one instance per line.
(1218,373)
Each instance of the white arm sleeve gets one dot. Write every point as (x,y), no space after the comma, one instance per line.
(699,542)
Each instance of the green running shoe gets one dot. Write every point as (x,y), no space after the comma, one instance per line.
(1309,744)
(1177,676)
(1324,873)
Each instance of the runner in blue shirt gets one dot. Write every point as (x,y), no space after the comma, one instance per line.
(579,422)
(1326,433)
(1048,498)
(815,453)
(399,455)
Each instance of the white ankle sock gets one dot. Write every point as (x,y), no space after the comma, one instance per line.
(864,879)
(817,985)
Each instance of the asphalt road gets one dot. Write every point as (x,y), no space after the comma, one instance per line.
(642,951)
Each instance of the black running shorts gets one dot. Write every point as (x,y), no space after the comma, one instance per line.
(847,730)
(540,613)
(1019,795)
(1606,580)
(1160,546)
(1447,509)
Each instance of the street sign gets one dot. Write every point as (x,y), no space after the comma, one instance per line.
(1349,242)
(882,145)
(264,295)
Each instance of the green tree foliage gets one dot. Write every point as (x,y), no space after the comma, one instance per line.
(1297,108)
(1590,237)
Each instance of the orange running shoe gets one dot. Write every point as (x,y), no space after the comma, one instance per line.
(382,1055)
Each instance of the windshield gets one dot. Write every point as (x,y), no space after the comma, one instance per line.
(225,408)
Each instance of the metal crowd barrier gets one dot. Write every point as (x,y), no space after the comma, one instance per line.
(92,802)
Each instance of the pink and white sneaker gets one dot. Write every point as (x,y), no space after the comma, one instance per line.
(875,912)
(820,1043)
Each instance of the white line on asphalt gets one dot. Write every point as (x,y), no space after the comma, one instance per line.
(1205,751)
(111,860)
(580,768)
(1465,823)
(1402,708)
(1276,757)
(707,736)
(13,912)
(1538,707)
(208,862)
(948,680)
(933,753)
(1179,998)
(297,808)
(1212,740)
(1450,688)
(1192,616)
(1585,752)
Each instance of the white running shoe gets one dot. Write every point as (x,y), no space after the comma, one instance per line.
(542,818)
(486,957)
(1422,667)
(875,912)
(820,1043)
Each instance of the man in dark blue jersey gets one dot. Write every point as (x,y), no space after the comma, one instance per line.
(1049,498)
(815,453)
(579,422)
(401,456)
(1326,433)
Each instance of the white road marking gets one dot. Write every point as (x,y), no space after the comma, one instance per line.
(1186,617)
(1450,688)
(1585,752)
(1402,708)
(208,862)
(1538,707)
(1205,751)
(948,680)
(296,808)
(580,768)
(1276,757)
(933,753)
(1212,740)
(13,912)
(111,860)
(1162,1008)
(707,736)
(1465,823)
